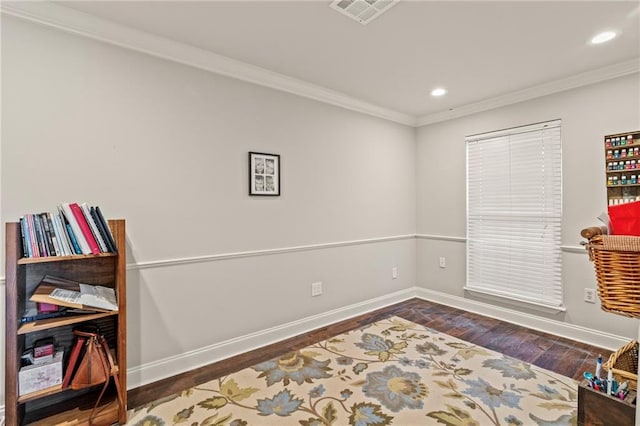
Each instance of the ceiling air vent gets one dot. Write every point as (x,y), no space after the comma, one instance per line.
(363,11)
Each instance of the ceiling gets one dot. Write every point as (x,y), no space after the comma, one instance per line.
(478,50)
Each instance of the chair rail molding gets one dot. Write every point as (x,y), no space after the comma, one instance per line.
(266,252)
(441,238)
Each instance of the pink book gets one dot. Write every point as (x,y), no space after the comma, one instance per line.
(84,227)
(46,307)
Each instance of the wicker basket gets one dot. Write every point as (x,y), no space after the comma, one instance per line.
(616,259)
(624,364)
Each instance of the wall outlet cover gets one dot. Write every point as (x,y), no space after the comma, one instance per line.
(590,295)
(316,289)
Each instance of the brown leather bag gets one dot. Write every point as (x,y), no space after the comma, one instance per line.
(96,367)
(93,368)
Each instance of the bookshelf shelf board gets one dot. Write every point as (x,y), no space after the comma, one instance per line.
(46,259)
(40,394)
(30,327)
(78,415)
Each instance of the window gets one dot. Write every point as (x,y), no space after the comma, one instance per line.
(514,213)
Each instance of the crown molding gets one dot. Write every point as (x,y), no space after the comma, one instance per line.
(575,81)
(80,23)
(83,24)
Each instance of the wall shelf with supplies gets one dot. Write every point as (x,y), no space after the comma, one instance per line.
(622,167)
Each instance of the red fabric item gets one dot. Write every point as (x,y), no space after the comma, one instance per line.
(625,219)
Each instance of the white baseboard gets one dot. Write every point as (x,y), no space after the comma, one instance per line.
(558,328)
(161,369)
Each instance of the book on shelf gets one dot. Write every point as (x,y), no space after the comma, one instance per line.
(72,363)
(65,245)
(44,308)
(32,314)
(75,228)
(32,235)
(73,294)
(40,236)
(52,244)
(84,228)
(26,243)
(46,236)
(75,247)
(93,227)
(106,228)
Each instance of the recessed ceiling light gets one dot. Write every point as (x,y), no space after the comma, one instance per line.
(603,37)
(438,91)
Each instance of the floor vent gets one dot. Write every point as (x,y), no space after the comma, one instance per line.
(363,11)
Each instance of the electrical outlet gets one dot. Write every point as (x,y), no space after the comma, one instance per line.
(590,295)
(394,272)
(316,289)
(443,262)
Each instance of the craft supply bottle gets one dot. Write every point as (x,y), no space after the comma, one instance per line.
(598,367)
(622,390)
(609,382)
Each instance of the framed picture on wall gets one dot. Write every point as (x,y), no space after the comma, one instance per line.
(264,174)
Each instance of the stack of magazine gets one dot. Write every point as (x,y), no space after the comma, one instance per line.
(73,229)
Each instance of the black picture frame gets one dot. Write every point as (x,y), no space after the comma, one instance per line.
(264,174)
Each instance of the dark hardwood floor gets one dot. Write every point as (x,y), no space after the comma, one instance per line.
(563,356)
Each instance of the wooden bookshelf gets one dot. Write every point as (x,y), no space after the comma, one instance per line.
(56,405)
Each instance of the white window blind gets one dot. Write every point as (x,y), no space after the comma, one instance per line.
(514,212)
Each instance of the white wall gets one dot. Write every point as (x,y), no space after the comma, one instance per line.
(587,115)
(165,146)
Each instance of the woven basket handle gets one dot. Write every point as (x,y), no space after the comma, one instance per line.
(592,231)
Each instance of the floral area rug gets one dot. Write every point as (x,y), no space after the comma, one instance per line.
(392,372)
